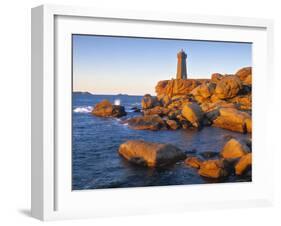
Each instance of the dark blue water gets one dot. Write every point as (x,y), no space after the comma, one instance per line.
(95,159)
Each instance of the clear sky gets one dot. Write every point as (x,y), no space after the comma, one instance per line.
(112,65)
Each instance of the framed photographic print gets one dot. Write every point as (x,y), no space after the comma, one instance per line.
(137,112)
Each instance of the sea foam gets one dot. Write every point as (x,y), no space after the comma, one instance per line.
(86,109)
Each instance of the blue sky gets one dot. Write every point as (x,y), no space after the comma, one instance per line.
(112,65)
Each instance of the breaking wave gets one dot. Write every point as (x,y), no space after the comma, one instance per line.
(86,109)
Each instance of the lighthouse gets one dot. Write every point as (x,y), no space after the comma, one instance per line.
(181,67)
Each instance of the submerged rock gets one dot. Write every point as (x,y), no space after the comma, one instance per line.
(147,122)
(234,149)
(106,109)
(209,154)
(150,154)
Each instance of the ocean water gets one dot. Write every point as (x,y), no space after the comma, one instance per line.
(95,142)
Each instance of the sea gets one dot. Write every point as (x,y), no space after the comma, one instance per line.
(96,163)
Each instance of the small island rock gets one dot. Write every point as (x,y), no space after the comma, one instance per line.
(213,169)
(234,149)
(106,109)
(149,153)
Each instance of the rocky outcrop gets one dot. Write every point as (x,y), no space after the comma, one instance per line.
(176,87)
(147,122)
(193,113)
(150,154)
(106,109)
(149,101)
(234,149)
(158,110)
(233,119)
(202,92)
(245,75)
(243,102)
(228,87)
(216,77)
(244,163)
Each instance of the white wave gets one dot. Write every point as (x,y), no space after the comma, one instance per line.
(86,109)
(117,102)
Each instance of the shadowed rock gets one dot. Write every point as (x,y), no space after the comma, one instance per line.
(150,154)
(147,122)
(149,101)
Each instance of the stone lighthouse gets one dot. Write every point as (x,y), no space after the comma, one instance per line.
(181,68)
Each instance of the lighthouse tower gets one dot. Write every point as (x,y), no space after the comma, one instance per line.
(181,68)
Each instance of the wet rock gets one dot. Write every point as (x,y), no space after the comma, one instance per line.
(228,87)
(106,109)
(135,109)
(150,154)
(234,149)
(172,124)
(149,101)
(193,113)
(233,119)
(213,169)
(209,154)
(193,162)
(244,163)
(147,122)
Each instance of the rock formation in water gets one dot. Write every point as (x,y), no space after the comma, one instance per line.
(150,154)
(223,101)
(106,109)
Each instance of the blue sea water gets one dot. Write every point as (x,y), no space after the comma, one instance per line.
(95,142)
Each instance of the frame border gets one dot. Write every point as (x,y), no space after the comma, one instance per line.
(43,158)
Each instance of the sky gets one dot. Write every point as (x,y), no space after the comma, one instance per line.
(127,65)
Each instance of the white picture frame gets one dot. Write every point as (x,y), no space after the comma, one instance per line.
(52,197)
